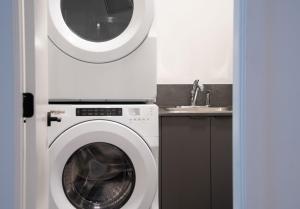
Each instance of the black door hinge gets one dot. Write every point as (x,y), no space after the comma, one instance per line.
(28,105)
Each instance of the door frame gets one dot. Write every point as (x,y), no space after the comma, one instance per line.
(239,102)
(34,42)
(27,58)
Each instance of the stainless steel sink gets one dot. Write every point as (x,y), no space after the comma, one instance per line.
(198,109)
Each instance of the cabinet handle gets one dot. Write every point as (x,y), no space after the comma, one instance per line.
(222,116)
(197,117)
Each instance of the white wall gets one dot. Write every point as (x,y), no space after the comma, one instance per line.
(270,108)
(195,40)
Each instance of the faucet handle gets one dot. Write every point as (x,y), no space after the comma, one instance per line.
(207,98)
(195,86)
(195,82)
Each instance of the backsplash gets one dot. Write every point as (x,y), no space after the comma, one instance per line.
(180,94)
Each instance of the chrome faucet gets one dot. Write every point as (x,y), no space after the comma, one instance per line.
(195,92)
(207,99)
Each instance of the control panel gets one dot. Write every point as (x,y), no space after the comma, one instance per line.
(99,112)
(137,114)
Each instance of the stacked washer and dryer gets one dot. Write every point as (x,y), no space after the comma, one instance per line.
(103,125)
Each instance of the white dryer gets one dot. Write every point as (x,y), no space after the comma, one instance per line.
(101,50)
(104,156)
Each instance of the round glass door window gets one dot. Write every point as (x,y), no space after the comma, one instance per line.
(98,175)
(97,20)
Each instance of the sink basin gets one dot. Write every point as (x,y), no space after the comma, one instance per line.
(200,109)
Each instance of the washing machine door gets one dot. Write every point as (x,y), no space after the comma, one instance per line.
(99,31)
(101,164)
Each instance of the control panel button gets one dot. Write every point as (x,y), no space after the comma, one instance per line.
(134,111)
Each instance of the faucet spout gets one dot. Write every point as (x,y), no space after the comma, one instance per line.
(195,92)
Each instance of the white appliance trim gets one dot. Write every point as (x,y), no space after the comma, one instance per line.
(116,134)
(67,41)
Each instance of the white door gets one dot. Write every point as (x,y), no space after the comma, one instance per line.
(101,164)
(35,64)
(23,160)
(99,31)
(267,95)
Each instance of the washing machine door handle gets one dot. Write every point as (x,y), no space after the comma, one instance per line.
(51,118)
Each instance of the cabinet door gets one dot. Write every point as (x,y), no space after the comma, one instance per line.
(185,163)
(221,162)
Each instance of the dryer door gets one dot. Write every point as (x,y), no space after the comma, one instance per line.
(99,31)
(101,164)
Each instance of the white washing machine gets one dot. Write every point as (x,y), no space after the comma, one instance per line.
(104,157)
(101,50)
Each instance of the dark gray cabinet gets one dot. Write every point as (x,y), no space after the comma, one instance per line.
(221,162)
(195,162)
(185,163)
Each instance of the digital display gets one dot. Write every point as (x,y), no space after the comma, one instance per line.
(99,112)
